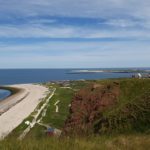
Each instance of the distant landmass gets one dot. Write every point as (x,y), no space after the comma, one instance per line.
(110,71)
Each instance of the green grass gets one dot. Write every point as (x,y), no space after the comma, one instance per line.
(128,121)
(37,132)
(132,111)
(77,85)
(57,119)
(17,131)
(113,142)
(52,118)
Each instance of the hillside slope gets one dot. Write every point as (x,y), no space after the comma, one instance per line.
(104,115)
(113,107)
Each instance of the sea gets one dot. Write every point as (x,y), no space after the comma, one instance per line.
(4,94)
(19,76)
(22,76)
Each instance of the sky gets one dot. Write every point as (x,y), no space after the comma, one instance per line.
(74,33)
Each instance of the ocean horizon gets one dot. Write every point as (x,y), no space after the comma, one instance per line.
(20,76)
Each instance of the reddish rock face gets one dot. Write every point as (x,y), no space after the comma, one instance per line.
(88,106)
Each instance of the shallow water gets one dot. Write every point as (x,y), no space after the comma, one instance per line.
(4,94)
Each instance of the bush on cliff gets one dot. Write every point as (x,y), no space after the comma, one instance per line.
(115,107)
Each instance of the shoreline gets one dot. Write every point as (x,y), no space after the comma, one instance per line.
(12,91)
(108,71)
(12,100)
(18,106)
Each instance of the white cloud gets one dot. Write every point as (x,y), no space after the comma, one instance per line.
(42,31)
(122,23)
(122,19)
(31,31)
(42,21)
(82,54)
(117,13)
(78,8)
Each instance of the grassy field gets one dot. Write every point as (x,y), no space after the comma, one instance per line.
(57,119)
(113,142)
(129,122)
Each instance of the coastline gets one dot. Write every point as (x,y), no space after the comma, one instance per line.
(17,94)
(18,106)
(108,71)
(12,91)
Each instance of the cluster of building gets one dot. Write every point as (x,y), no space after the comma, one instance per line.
(139,75)
(63,83)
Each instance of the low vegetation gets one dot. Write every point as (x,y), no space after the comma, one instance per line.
(57,119)
(113,142)
(116,112)
(113,107)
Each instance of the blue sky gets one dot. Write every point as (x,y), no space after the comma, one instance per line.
(74,33)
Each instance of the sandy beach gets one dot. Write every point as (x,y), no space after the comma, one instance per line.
(17,107)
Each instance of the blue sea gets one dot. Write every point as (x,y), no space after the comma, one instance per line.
(18,76)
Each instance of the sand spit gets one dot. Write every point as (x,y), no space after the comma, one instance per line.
(19,106)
